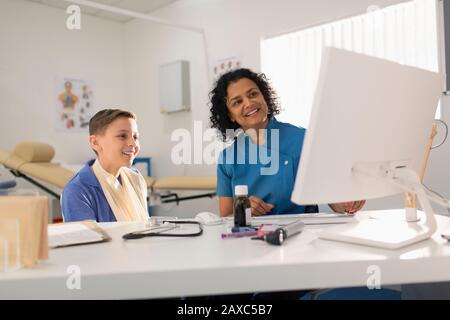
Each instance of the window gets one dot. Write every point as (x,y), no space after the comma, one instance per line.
(404,33)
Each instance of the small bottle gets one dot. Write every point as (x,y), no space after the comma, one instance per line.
(242,207)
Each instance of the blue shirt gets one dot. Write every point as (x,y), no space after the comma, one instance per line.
(83,198)
(265,179)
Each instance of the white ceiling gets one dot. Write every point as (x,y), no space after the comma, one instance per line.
(141,6)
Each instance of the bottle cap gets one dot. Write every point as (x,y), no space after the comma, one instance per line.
(241,190)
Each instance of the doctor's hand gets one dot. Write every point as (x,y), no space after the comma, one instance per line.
(259,207)
(347,207)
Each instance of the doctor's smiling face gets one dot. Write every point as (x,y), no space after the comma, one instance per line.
(242,99)
(117,143)
(246,104)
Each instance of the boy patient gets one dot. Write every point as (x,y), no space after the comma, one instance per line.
(107,189)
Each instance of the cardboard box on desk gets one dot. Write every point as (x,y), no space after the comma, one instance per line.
(32,214)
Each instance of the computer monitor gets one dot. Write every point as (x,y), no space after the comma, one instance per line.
(368,133)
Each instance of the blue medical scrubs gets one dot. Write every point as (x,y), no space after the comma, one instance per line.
(273,188)
(83,198)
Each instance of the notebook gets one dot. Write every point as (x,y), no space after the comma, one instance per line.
(75,233)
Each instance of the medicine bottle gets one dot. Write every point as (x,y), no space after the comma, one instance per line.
(242,207)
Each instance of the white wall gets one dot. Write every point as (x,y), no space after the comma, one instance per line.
(35,47)
(147,46)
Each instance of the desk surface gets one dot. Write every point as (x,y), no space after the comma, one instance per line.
(172,267)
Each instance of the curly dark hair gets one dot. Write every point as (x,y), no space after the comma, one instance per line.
(219,118)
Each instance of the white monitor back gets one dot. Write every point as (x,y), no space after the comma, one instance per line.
(365,110)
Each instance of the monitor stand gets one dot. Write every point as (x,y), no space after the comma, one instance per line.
(389,233)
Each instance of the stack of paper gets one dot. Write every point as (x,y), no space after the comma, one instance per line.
(23,229)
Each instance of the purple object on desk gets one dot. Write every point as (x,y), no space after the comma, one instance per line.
(239,234)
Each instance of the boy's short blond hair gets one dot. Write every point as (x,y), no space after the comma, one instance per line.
(102,119)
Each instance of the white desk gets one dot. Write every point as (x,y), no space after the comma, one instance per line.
(173,267)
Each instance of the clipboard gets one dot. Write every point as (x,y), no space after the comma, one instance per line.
(90,225)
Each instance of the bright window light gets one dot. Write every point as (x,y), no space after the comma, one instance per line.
(404,33)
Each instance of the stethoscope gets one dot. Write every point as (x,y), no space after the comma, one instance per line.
(159,231)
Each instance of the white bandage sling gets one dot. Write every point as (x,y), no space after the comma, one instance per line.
(128,199)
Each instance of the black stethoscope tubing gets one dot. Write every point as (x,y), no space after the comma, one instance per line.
(143,234)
